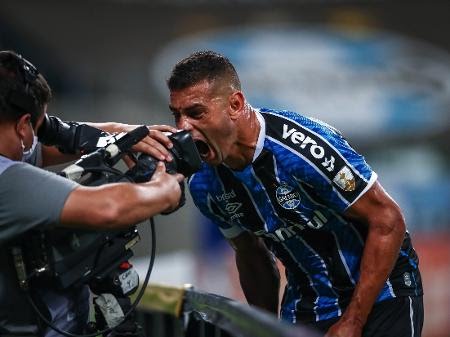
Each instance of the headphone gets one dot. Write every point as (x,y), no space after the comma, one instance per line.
(23,98)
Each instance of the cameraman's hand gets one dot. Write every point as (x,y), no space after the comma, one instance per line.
(156,144)
(169,184)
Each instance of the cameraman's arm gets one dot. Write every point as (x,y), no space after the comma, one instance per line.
(155,144)
(121,204)
(52,156)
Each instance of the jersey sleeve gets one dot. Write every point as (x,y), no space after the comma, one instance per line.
(202,197)
(30,197)
(320,158)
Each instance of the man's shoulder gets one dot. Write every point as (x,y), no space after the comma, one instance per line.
(20,175)
(283,123)
(12,167)
(6,163)
(202,177)
(209,179)
(283,114)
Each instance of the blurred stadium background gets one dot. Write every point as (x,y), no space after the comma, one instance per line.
(377,70)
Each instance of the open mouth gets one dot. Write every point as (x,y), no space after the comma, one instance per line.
(202,148)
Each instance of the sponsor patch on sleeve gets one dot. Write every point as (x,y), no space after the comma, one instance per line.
(345,179)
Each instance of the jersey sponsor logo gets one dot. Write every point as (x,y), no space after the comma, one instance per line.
(280,235)
(345,179)
(407,279)
(306,143)
(317,221)
(287,197)
(226,196)
(284,233)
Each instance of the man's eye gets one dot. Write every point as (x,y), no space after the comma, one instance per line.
(194,113)
(176,115)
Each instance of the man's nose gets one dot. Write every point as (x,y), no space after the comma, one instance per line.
(184,124)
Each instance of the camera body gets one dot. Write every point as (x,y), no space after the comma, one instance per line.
(186,159)
(70,258)
(67,257)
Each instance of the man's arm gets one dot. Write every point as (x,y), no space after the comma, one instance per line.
(155,144)
(120,205)
(258,273)
(386,231)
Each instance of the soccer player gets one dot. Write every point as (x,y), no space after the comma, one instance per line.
(279,184)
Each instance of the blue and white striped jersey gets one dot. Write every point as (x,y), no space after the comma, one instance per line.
(304,175)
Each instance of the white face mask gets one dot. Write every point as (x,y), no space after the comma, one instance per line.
(28,153)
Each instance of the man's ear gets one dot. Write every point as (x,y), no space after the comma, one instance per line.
(23,125)
(237,103)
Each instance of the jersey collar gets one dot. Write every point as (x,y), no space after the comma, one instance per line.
(261,136)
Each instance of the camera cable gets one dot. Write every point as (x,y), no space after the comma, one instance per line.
(133,306)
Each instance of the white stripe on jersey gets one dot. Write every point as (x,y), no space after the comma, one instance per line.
(344,262)
(311,283)
(267,196)
(411,314)
(324,266)
(256,206)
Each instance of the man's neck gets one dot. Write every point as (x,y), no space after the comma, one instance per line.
(248,128)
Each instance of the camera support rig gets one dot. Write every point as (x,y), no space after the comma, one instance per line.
(70,258)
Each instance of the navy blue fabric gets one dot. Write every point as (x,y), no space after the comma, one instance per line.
(293,195)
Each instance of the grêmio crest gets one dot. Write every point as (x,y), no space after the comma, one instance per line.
(287,197)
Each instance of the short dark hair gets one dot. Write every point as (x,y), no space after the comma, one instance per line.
(22,88)
(202,65)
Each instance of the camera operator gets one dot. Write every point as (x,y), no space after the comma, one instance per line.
(32,198)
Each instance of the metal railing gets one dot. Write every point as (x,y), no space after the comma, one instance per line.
(185,312)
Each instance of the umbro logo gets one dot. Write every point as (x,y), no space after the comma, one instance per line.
(230,207)
(233,207)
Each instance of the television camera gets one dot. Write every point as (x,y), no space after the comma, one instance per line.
(71,258)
